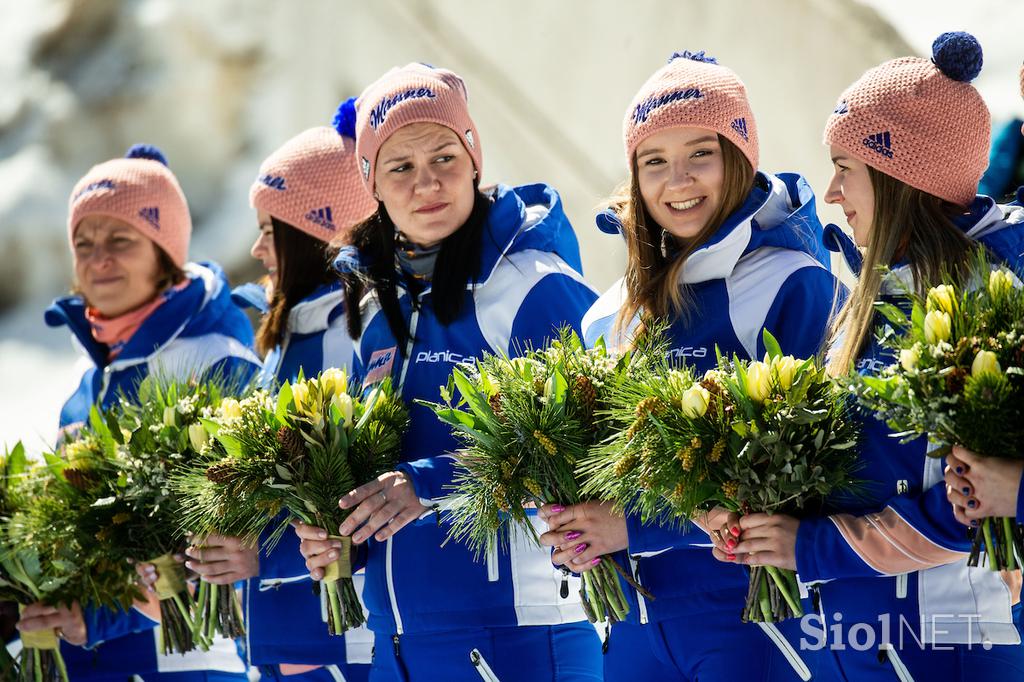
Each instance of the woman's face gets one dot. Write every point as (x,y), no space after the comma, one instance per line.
(263,248)
(425,181)
(680,172)
(116,267)
(851,189)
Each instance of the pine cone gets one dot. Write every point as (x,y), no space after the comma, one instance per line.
(495,403)
(293,445)
(587,394)
(221,473)
(80,479)
(955,380)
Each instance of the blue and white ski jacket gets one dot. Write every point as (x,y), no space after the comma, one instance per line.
(196,331)
(285,622)
(899,550)
(529,285)
(765,268)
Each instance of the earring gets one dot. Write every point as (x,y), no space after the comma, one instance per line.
(475,174)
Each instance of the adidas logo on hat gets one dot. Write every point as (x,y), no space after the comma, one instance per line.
(740,126)
(365,163)
(841,108)
(151,215)
(274,182)
(322,217)
(880,142)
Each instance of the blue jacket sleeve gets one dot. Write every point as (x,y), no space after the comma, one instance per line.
(802,312)
(555,301)
(1020,501)
(651,537)
(910,533)
(103,624)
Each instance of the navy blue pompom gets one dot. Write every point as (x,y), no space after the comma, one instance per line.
(695,56)
(146,151)
(345,118)
(957,55)
(348,261)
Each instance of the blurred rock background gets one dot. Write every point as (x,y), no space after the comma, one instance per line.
(218,84)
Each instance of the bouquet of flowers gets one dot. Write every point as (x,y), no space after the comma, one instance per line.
(154,436)
(45,555)
(771,436)
(294,458)
(526,423)
(958,377)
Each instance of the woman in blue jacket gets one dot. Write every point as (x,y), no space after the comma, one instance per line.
(897,598)
(721,251)
(443,272)
(307,194)
(139,308)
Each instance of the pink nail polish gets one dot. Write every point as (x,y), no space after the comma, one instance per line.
(595,562)
(557,509)
(573,535)
(580,548)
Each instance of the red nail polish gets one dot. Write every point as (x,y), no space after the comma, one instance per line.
(573,535)
(730,557)
(557,509)
(730,543)
(735,530)
(580,548)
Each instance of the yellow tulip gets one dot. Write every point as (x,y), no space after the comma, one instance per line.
(333,381)
(300,396)
(985,362)
(170,416)
(197,436)
(937,327)
(343,401)
(909,357)
(999,283)
(785,370)
(942,297)
(695,401)
(230,409)
(759,381)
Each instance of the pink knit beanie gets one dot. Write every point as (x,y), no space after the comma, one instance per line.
(312,182)
(692,90)
(920,121)
(140,190)
(414,93)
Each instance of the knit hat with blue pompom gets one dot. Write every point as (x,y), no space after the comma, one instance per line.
(692,90)
(312,181)
(919,120)
(140,190)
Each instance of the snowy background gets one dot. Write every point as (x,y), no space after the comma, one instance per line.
(218,84)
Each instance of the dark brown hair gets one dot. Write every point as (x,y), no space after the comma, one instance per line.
(652,279)
(908,224)
(303,264)
(457,265)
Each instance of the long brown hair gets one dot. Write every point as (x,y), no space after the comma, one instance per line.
(303,264)
(908,224)
(652,279)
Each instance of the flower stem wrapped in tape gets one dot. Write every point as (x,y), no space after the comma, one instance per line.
(38,639)
(342,566)
(170,580)
(176,605)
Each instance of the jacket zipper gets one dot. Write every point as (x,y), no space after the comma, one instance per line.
(275,583)
(641,602)
(492,563)
(901,586)
(482,669)
(389,573)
